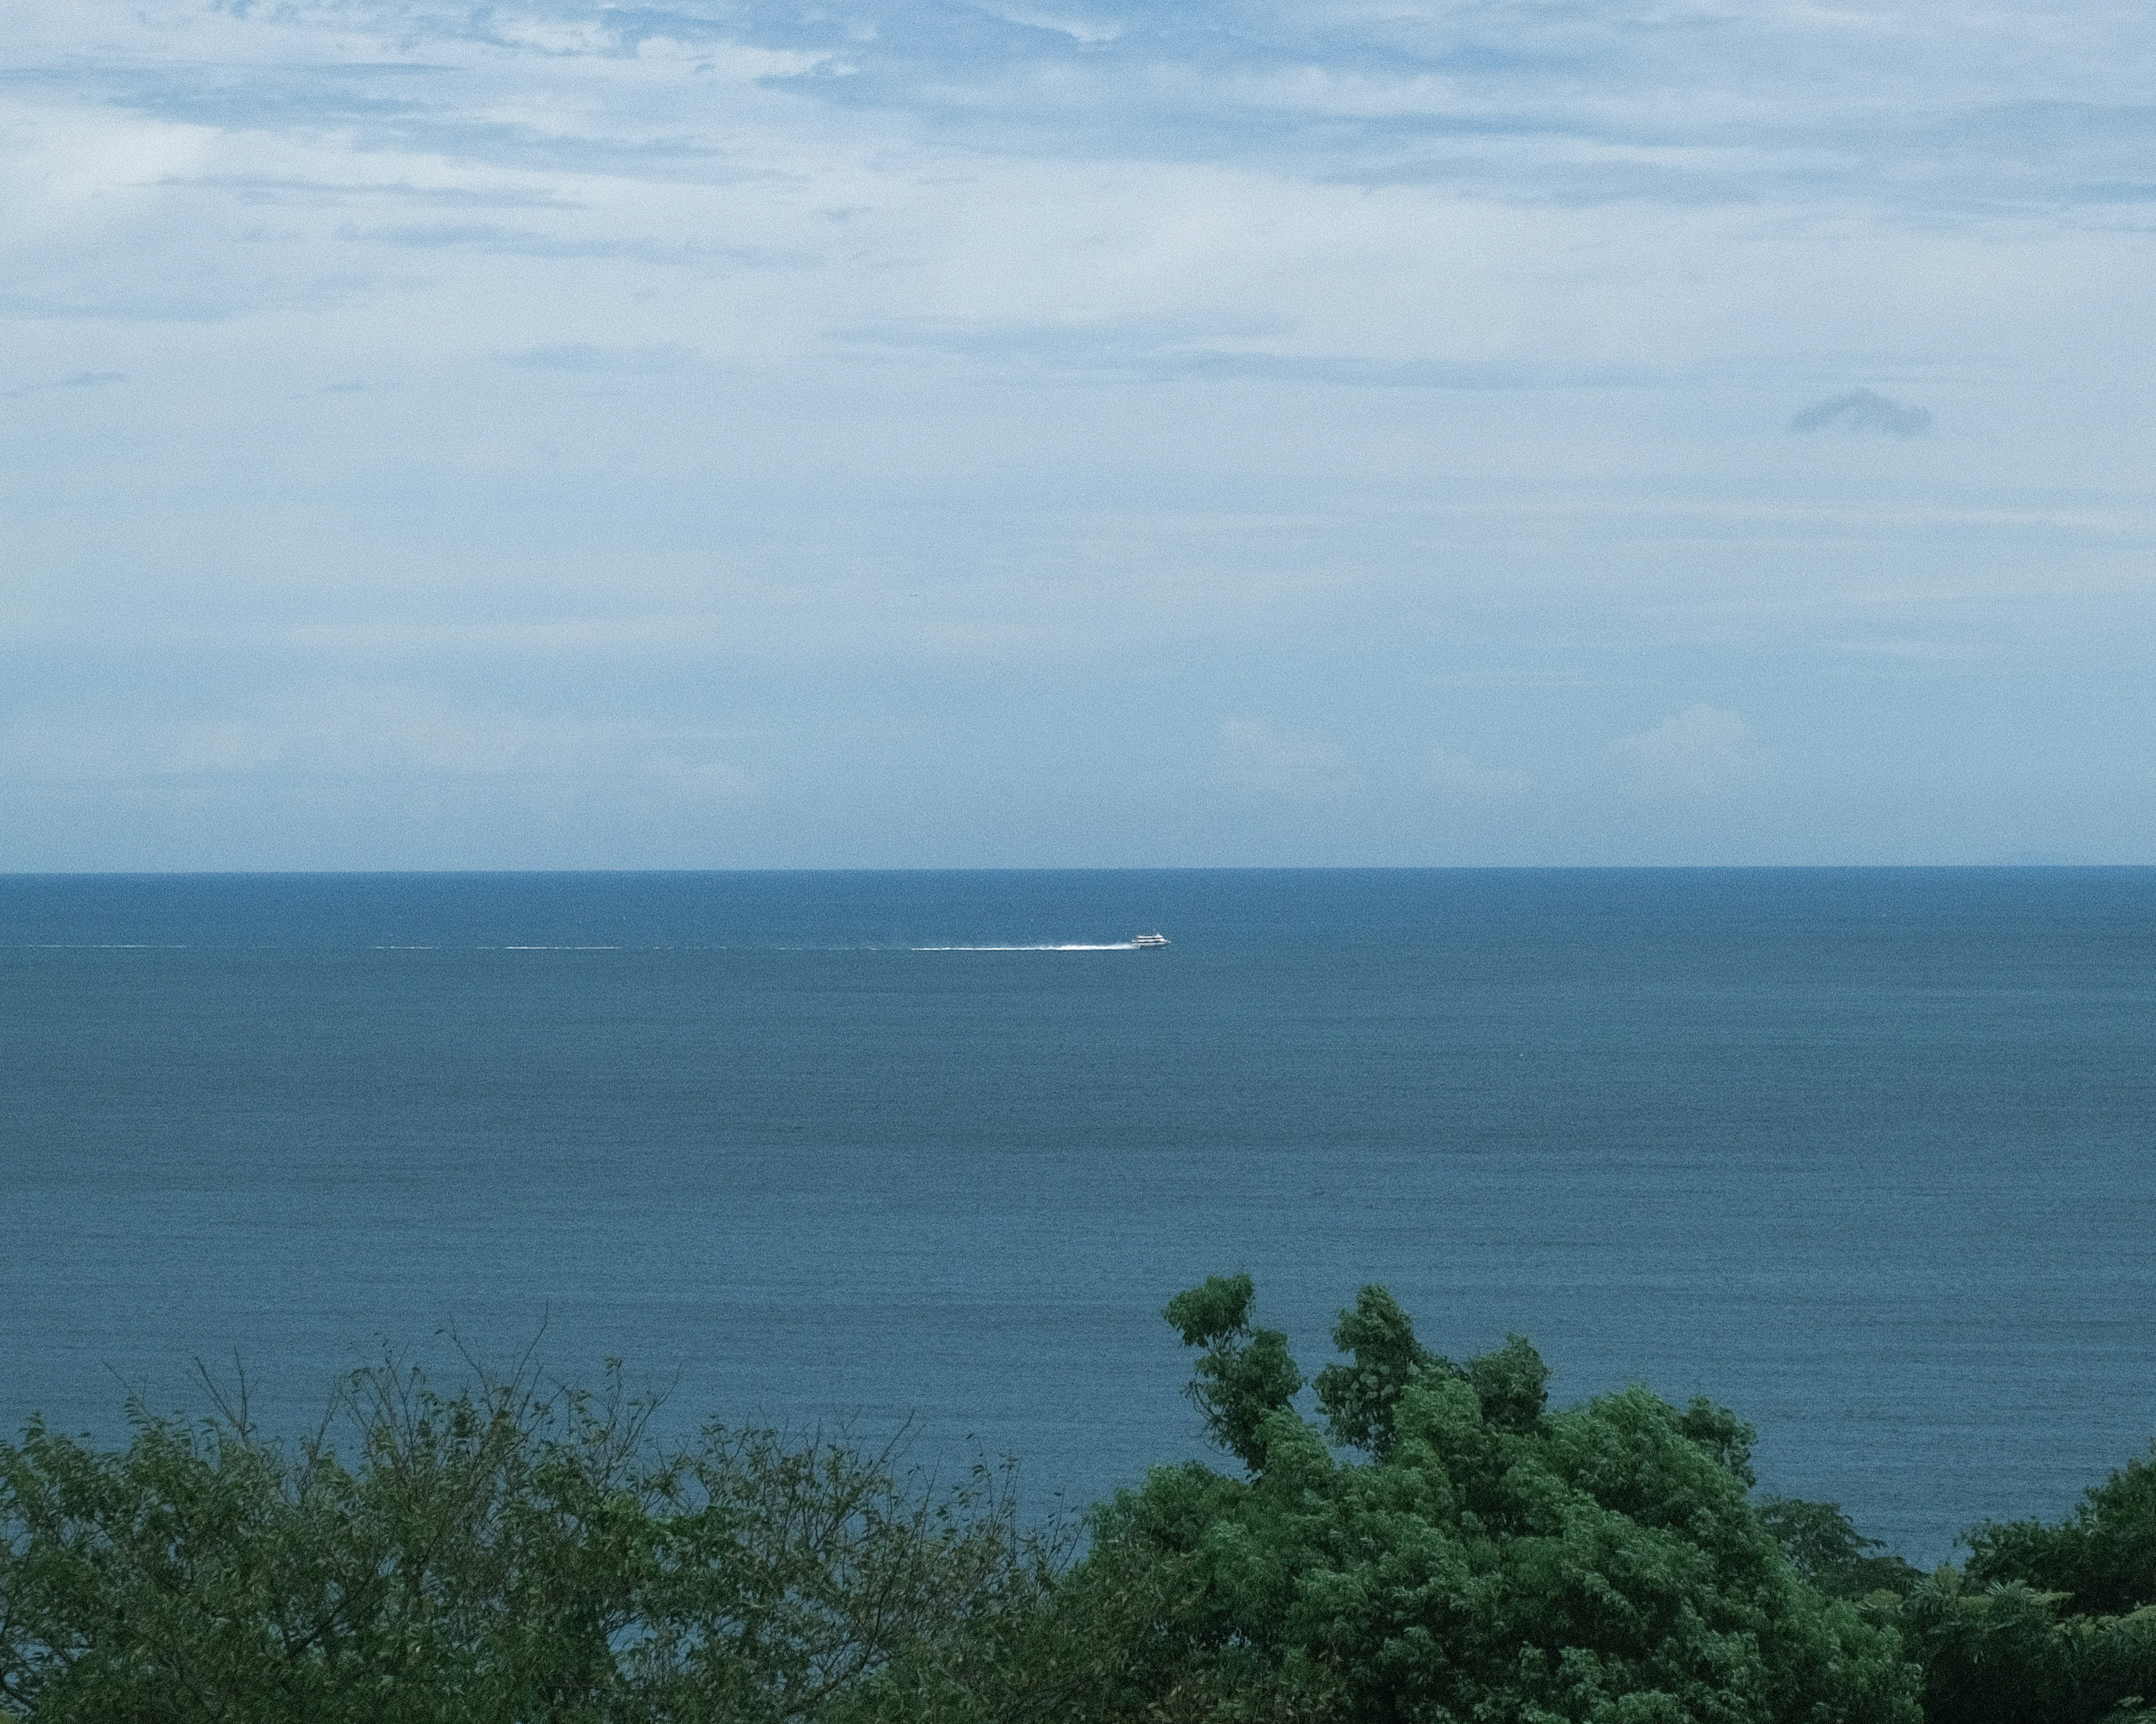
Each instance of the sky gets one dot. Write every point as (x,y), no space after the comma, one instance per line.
(916,433)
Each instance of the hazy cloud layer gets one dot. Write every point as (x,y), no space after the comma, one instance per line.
(1295,767)
(1920,104)
(77,380)
(1457,775)
(373,733)
(1700,751)
(897,431)
(583,357)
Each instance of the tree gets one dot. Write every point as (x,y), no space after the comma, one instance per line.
(1828,1552)
(507,1554)
(1486,1558)
(2049,1623)
(2103,1556)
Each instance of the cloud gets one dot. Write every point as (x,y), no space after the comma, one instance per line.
(626,362)
(1138,350)
(1563,104)
(78,380)
(268,189)
(1091,32)
(1458,775)
(375,733)
(1861,411)
(1698,752)
(1168,361)
(1295,768)
(529,243)
(119,306)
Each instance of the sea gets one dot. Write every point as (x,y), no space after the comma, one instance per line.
(1868,1156)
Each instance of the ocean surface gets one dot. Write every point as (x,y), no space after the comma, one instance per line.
(1869,1156)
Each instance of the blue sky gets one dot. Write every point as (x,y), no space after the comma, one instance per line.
(759,435)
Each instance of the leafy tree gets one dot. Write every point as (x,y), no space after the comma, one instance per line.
(1244,1374)
(2103,1556)
(508,1554)
(2049,1623)
(1828,1552)
(2005,1653)
(1436,1546)
(1489,1559)
(1359,1397)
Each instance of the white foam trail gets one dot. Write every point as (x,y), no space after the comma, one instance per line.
(1117,946)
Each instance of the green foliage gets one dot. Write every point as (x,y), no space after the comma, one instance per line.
(1244,1375)
(1511,1384)
(1217,1310)
(1830,1553)
(1358,1399)
(500,1556)
(1724,1435)
(1490,1560)
(2049,1623)
(2005,1653)
(1443,1548)
(2103,1556)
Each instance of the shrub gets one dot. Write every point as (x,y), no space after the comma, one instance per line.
(503,1555)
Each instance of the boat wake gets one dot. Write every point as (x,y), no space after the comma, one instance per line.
(1113,946)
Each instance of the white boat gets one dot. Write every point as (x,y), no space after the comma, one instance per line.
(1146,942)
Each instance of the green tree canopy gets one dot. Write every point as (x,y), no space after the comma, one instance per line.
(506,1554)
(1486,1558)
(2049,1623)
(1421,1541)
(1827,1551)
(2103,1556)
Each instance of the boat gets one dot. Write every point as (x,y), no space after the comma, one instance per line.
(1146,942)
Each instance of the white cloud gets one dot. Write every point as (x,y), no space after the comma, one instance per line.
(1459,776)
(1296,767)
(373,734)
(1700,751)
(1089,31)
(1149,373)
(584,356)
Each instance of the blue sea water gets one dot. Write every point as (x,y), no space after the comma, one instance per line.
(1869,1156)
